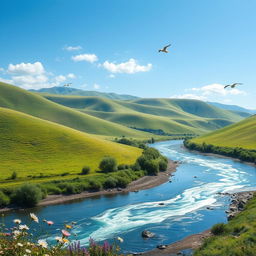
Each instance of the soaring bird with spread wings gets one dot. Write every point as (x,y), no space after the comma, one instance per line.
(68,84)
(164,49)
(232,85)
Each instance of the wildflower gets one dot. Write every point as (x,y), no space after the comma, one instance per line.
(65,233)
(20,244)
(68,226)
(49,222)
(120,239)
(6,234)
(27,251)
(34,217)
(23,227)
(42,243)
(16,233)
(17,221)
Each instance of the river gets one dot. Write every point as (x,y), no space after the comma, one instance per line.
(194,188)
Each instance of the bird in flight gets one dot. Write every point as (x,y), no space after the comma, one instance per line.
(164,49)
(232,85)
(68,84)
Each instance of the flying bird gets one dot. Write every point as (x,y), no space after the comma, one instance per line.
(164,49)
(232,85)
(68,84)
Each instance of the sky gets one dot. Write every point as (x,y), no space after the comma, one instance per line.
(112,46)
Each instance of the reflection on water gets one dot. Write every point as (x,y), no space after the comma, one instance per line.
(171,210)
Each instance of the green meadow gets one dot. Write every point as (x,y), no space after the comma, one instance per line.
(241,134)
(31,146)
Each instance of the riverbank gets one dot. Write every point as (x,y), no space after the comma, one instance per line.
(238,202)
(143,183)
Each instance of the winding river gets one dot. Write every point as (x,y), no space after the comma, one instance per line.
(184,208)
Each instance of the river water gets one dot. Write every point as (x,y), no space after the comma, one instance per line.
(194,188)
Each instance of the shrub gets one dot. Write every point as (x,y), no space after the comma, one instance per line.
(108,164)
(65,174)
(218,229)
(4,199)
(52,189)
(95,185)
(14,175)
(162,165)
(27,195)
(85,170)
(151,153)
(152,167)
(122,182)
(110,182)
(122,166)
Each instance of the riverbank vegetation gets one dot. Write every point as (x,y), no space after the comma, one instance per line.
(237,237)
(236,152)
(108,176)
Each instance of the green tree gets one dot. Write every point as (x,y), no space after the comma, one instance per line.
(108,164)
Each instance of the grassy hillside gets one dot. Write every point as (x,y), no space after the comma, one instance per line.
(170,115)
(241,134)
(30,103)
(31,146)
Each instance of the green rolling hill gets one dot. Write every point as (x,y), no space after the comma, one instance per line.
(173,116)
(73,91)
(241,134)
(30,146)
(30,103)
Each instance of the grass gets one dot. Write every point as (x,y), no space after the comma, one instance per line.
(238,238)
(241,134)
(30,146)
(170,115)
(33,104)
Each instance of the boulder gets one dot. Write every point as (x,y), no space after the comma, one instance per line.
(147,234)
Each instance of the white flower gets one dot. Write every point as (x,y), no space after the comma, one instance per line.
(120,239)
(34,217)
(17,221)
(42,243)
(16,233)
(20,244)
(27,251)
(23,227)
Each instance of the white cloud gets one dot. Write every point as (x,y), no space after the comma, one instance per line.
(72,48)
(71,76)
(189,96)
(218,89)
(111,76)
(1,70)
(85,57)
(96,86)
(26,68)
(59,79)
(129,67)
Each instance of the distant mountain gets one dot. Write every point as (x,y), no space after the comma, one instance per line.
(233,107)
(73,91)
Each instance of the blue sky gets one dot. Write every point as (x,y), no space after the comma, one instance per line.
(112,46)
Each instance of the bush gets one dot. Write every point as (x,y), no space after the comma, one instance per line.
(108,164)
(122,182)
(151,153)
(152,167)
(85,170)
(14,175)
(218,229)
(110,182)
(4,199)
(52,189)
(162,165)
(27,195)
(95,185)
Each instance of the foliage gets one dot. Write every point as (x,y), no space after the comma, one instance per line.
(132,142)
(14,176)
(108,164)
(218,229)
(4,199)
(27,195)
(240,153)
(85,170)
